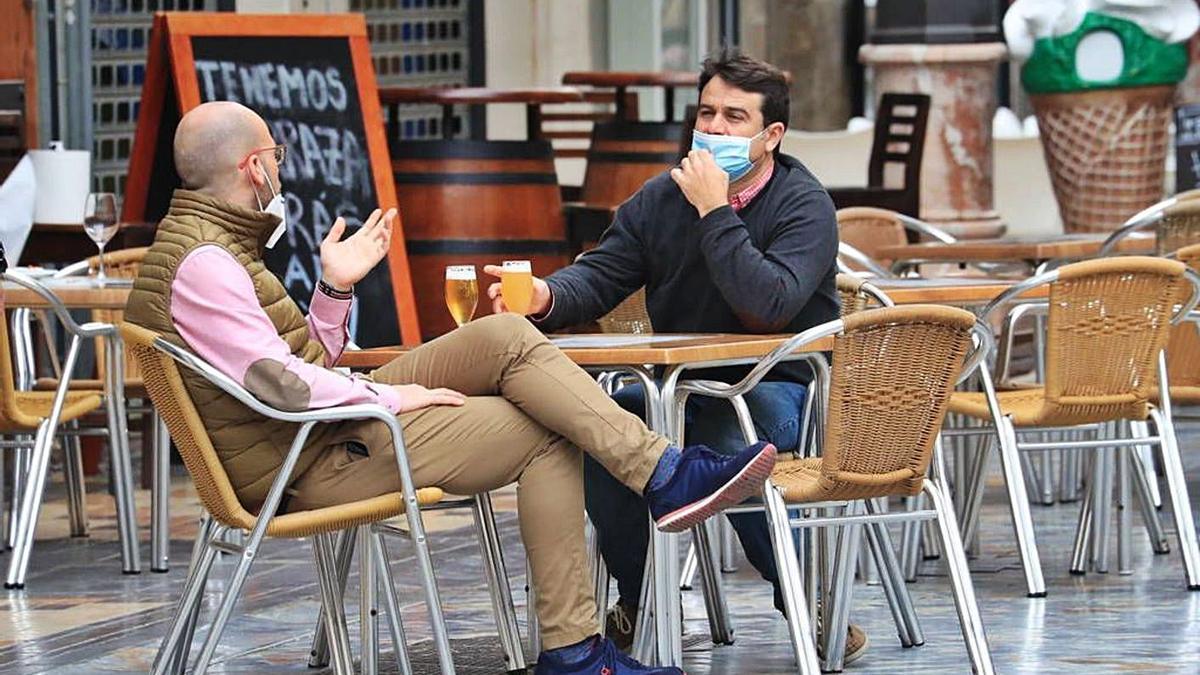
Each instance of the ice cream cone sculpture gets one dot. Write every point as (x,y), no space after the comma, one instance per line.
(1101,75)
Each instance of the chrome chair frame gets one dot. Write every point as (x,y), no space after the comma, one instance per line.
(791,577)
(159,444)
(172,654)
(1093,523)
(33,482)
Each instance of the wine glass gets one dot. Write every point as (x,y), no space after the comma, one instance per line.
(462,293)
(100,223)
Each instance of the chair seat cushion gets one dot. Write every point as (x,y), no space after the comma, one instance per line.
(342,516)
(1024,405)
(134,386)
(34,406)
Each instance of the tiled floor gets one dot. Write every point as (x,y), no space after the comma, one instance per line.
(80,615)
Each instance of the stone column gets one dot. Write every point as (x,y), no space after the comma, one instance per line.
(956,172)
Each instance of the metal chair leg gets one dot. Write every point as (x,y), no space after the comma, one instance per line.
(879,541)
(1124,514)
(687,575)
(31,504)
(318,654)
(910,540)
(368,605)
(497,581)
(1102,509)
(719,625)
(599,577)
(171,658)
(395,620)
(960,577)
(120,459)
(1018,501)
(796,605)
(1145,502)
(331,600)
(1083,535)
(837,603)
(76,487)
(1185,526)
(729,563)
(160,495)
(1146,453)
(531,617)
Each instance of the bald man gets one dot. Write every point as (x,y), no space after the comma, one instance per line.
(489,404)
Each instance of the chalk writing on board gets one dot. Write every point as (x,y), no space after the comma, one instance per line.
(309,100)
(1187,147)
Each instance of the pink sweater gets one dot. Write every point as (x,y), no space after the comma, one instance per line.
(216,311)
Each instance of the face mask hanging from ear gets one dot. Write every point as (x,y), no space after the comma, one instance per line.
(274,207)
(732,153)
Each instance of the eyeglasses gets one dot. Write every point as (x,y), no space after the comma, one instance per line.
(280,152)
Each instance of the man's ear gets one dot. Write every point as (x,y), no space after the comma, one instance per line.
(255,170)
(774,137)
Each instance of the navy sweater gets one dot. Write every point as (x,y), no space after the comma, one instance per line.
(768,268)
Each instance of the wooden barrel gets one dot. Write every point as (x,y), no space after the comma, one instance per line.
(623,155)
(475,203)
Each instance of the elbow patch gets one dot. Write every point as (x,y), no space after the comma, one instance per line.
(277,386)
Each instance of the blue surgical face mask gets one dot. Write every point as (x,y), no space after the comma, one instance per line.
(732,153)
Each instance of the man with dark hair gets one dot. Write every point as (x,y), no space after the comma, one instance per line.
(739,238)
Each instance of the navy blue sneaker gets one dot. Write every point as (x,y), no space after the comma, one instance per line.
(604,659)
(705,482)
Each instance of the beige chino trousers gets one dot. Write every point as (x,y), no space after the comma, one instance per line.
(529,413)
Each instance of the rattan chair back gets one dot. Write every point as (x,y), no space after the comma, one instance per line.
(122,264)
(854,295)
(1179,226)
(164,384)
(893,370)
(10,413)
(1108,320)
(868,229)
(630,316)
(1183,347)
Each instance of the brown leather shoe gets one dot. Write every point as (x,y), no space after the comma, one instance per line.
(856,644)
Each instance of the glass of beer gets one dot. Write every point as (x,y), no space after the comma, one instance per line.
(516,285)
(462,293)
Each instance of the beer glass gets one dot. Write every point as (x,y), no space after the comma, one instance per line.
(462,294)
(516,285)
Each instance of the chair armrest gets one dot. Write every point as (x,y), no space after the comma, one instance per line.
(229,386)
(1140,221)
(56,305)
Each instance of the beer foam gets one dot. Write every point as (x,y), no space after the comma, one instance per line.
(518,266)
(460,272)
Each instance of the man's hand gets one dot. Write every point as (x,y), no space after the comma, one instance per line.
(414,397)
(540,303)
(344,263)
(704,183)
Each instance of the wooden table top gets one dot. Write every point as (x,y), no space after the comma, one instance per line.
(75,292)
(949,290)
(666,78)
(609,349)
(1036,249)
(478,95)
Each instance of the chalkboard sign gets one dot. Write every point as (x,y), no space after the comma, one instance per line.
(1187,147)
(310,78)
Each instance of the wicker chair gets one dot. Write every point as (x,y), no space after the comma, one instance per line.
(1108,322)
(628,317)
(857,294)
(43,413)
(886,397)
(125,264)
(1175,222)
(160,363)
(1183,347)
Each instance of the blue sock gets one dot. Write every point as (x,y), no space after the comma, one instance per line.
(665,469)
(574,653)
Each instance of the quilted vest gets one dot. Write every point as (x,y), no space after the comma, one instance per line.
(250,446)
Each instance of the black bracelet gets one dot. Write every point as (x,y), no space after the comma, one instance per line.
(334,293)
